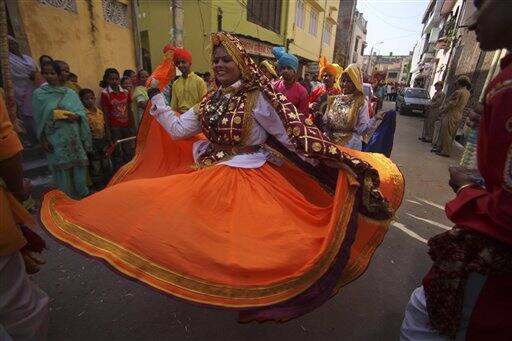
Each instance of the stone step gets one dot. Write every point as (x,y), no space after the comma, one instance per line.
(33,153)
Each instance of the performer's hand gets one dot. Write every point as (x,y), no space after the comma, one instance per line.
(153,92)
(459,177)
(475,114)
(379,115)
(72,118)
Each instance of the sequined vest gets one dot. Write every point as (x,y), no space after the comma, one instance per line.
(340,117)
(226,121)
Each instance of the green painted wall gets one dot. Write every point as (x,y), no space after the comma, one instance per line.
(155,17)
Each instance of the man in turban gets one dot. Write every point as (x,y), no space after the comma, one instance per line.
(189,88)
(287,65)
(330,75)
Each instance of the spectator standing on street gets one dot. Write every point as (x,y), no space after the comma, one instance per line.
(126,83)
(62,127)
(140,97)
(287,65)
(23,72)
(116,104)
(23,306)
(130,74)
(389,91)
(99,164)
(66,73)
(381,94)
(306,83)
(451,116)
(189,88)
(39,77)
(466,293)
(433,111)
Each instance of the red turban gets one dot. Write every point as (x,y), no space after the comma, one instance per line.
(168,47)
(184,54)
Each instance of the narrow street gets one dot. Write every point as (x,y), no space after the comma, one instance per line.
(91,302)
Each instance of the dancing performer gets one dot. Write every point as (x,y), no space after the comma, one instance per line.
(330,76)
(346,119)
(216,222)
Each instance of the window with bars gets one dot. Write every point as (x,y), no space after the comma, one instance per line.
(327,33)
(299,13)
(313,21)
(265,13)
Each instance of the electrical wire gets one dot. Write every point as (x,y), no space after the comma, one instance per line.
(388,23)
(368,3)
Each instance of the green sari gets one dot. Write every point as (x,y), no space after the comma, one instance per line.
(140,94)
(70,140)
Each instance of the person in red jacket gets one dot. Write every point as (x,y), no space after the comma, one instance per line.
(466,293)
(330,75)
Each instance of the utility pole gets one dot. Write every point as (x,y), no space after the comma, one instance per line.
(177,23)
(219,19)
(136,34)
(10,100)
(371,56)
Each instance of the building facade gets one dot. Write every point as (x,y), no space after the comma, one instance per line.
(310,32)
(305,27)
(389,68)
(448,49)
(344,32)
(358,40)
(89,35)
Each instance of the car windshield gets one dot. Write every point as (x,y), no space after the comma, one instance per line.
(416,93)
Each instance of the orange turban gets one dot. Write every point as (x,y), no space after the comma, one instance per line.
(184,54)
(332,69)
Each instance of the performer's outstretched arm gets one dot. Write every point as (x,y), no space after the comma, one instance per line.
(267,117)
(182,127)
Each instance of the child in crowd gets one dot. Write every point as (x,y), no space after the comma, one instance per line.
(130,74)
(116,104)
(127,84)
(99,164)
(73,78)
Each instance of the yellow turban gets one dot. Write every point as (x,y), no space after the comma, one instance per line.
(354,73)
(332,69)
(268,65)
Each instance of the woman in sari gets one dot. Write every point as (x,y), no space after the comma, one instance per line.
(216,222)
(63,130)
(346,119)
(139,96)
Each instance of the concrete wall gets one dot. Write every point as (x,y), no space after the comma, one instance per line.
(70,37)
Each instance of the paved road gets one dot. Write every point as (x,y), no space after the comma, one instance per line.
(91,302)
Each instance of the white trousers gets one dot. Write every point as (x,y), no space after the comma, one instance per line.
(23,306)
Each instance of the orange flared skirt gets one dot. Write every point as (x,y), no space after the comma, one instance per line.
(222,236)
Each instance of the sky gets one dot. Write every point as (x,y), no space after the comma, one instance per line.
(396,23)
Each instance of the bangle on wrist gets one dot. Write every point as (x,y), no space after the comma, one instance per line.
(466,186)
